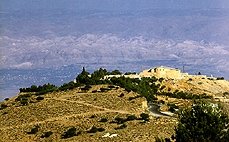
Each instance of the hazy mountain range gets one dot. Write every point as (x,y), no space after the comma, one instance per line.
(57,38)
(126,37)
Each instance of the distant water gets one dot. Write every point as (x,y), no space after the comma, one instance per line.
(13,79)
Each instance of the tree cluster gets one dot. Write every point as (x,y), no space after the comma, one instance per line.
(185,95)
(39,90)
(146,87)
(203,122)
(84,78)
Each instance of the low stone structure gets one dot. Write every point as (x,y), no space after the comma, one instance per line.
(129,75)
(160,72)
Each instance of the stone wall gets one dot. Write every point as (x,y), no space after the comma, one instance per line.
(162,72)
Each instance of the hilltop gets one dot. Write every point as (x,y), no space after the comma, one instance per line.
(107,106)
(173,80)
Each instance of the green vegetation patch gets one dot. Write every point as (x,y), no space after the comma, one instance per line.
(33,130)
(146,87)
(185,95)
(203,122)
(94,129)
(71,132)
(46,134)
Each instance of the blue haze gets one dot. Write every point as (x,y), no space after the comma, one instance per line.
(45,41)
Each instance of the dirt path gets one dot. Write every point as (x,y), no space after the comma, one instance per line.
(154,111)
(58,118)
(87,93)
(63,118)
(91,105)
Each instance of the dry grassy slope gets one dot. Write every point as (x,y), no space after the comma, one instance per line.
(61,110)
(198,86)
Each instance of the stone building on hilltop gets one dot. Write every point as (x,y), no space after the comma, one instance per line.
(160,72)
(163,72)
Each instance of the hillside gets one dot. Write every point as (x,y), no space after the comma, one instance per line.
(59,111)
(174,80)
(107,106)
(215,88)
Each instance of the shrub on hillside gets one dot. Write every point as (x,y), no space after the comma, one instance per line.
(122,126)
(185,95)
(132,98)
(33,130)
(94,129)
(94,91)
(172,107)
(162,87)
(131,117)
(100,129)
(40,90)
(144,116)
(129,73)
(103,120)
(23,96)
(104,89)
(71,132)
(68,86)
(6,99)
(111,86)
(24,101)
(3,106)
(146,87)
(160,79)
(226,93)
(119,120)
(121,95)
(39,98)
(93,116)
(46,134)
(84,89)
(220,78)
(203,122)
(115,72)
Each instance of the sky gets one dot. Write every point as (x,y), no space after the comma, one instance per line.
(115,5)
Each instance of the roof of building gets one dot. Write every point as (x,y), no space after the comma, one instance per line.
(167,68)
